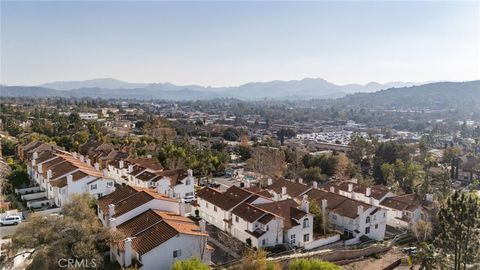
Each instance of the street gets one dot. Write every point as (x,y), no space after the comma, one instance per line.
(7,231)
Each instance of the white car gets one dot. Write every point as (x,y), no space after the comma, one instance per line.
(188,199)
(11,220)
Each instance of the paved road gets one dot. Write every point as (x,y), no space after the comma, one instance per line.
(6,231)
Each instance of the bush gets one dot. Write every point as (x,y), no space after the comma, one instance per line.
(312,264)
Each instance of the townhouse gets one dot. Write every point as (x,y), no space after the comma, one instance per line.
(372,195)
(60,174)
(148,173)
(153,227)
(354,218)
(284,189)
(255,219)
(405,210)
(402,211)
(353,210)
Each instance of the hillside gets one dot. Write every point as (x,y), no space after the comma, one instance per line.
(440,95)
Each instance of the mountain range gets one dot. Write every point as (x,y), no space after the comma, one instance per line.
(109,88)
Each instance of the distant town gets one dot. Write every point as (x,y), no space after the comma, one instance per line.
(227,183)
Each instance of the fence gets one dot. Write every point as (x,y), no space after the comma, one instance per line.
(322,242)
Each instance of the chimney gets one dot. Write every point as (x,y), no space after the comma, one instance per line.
(97,166)
(203,225)
(82,158)
(34,162)
(74,155)
(315,184)
(111,210)
(112,223)
(246,184)
(35,155)
(49,174)
(69,180)
(128,252)
(130,168)
(300,180)
(332,189)
(40,169)
(368,191)
(190,173)
(324,206)
(121,164)
(181,209)
(305,204)
(89,162)
(284,190)
(105,172)
(149,156)
(359,210)
(350,187)
(269,182)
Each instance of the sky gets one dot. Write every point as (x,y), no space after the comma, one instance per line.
(230,43)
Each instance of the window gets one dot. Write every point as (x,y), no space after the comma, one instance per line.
(268,227)
(93,187)
(306,237)
(292,239)
(188,182)
(236,219)
(334,217)
(384,214)
(206,204)
(109,184)
(215,208)
(305,223)
(367,230)
(177,253)
(376,226)
(368,219)
(264,242)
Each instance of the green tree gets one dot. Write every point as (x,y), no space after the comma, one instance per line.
(19,177)
(190,264)
(312,264)
(8,147)
(313,174)
(319,219)
(458,229)
(428,257)
(76,234)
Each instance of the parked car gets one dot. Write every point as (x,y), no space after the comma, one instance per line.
(11,220)
(214,185)
(188,199)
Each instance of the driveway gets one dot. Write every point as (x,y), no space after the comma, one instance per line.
(7,231)
(225,182)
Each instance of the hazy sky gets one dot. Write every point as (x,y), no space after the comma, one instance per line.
(229,43)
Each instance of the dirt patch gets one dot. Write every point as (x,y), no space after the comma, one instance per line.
(383,261)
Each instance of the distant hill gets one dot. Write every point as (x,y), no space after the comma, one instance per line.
(95,83)
(306,88)
(440,95)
